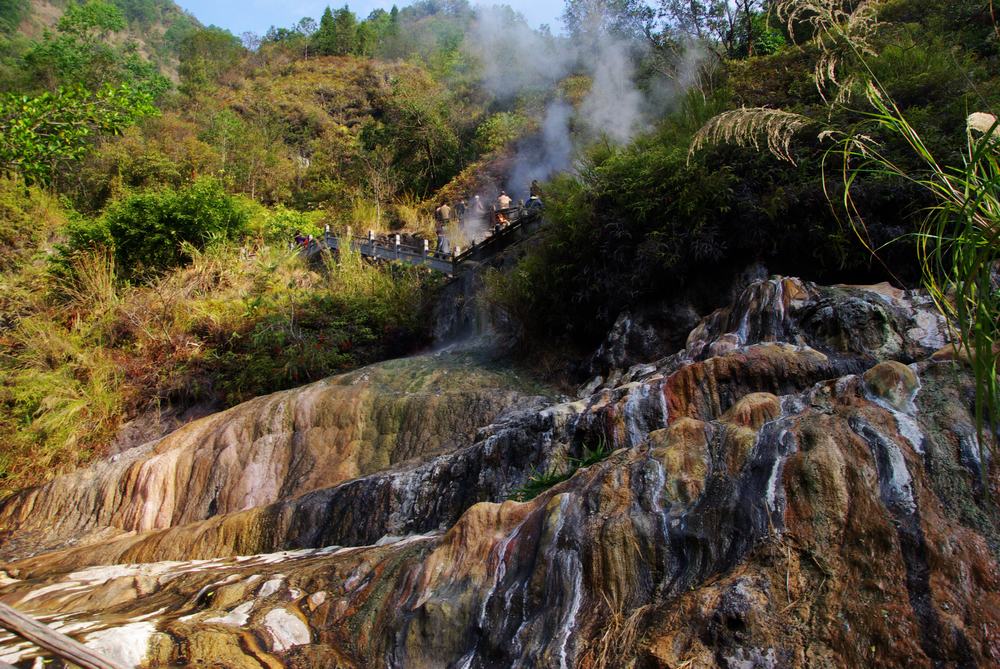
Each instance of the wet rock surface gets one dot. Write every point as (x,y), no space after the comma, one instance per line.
(801,486)
(275,447)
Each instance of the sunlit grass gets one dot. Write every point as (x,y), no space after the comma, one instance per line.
(83,351)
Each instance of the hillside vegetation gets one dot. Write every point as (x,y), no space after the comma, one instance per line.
(158,28)
(634,218)
(146,255)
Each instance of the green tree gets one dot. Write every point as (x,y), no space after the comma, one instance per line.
(206,57)
(81,52)
(346,31)
(42,134)
(498,130)
(250,145)
(366,39)
(143,12)
(415,128)
(733,28)
(337,34)
(92,21)
(323,38)
(181,28)
(632,19)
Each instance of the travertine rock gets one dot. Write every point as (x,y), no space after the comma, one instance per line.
(802,486)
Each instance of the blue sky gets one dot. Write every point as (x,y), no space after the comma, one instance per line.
(239,16)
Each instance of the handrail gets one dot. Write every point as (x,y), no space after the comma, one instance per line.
(522,216)
(55,642)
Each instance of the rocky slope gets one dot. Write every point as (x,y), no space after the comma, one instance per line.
(275,447)
(802,485)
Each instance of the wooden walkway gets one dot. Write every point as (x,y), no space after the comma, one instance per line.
(522,223)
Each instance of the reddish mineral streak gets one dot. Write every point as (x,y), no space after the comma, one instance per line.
(800,487)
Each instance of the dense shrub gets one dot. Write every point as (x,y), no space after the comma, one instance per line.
(151,231)
(161,151)
(12,12)
(498,130)
(279,226)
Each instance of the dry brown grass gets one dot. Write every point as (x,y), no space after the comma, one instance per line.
(616,646)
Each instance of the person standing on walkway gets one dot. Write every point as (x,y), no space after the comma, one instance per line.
(503,202)
(441,217)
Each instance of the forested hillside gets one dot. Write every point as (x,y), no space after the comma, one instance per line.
(157,27)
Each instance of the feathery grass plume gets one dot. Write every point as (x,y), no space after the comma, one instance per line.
(840,28)
(984,124)
(748,126)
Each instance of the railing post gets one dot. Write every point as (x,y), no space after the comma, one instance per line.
(397,247)
(427,249)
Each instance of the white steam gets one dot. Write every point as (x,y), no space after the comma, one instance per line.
(614,107)
(551,152)
(517,60)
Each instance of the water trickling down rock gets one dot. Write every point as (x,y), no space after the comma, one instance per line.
(800,486)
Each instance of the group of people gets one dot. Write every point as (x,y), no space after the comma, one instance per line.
(498,213)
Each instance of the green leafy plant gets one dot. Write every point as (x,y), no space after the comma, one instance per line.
(147,231)
(42,134)
(540,481)
(958,242)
